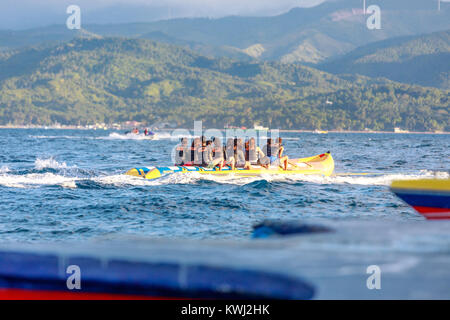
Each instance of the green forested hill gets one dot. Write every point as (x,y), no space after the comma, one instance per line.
(423,60)
(112,80)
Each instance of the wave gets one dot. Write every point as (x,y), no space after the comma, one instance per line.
(194,177)
(120,136)
(72,177)
(111,136)
(168,135)
(4,169)
(46,171)
(50,163)
(57,137)
(157,136)
(34,180)
(368,180)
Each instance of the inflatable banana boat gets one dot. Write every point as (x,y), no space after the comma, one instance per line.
(322,164)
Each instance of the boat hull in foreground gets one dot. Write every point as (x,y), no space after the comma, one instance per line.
(70,272)
(429,197)
(322,164)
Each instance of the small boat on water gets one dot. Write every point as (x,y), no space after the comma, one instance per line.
(429,197)
(398,130)
(140,136)
(322,164)
(135,134)
(260,128)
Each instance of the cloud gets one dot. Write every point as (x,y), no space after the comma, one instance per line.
(17,14)
(28,13)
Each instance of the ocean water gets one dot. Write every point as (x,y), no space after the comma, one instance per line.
(64,185)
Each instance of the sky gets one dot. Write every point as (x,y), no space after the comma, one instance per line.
(22,14)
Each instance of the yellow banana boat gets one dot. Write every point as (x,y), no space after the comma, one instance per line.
(322,164)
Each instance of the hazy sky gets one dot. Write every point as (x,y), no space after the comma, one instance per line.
(18,14)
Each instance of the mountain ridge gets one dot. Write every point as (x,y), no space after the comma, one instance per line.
(292,36)
(422,60)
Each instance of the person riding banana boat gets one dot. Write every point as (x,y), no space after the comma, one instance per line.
(274,152)
(182,153)
(235,154)
(217,154)
(210,157)
(254,154)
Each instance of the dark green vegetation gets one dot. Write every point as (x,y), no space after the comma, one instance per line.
(423,60)
(112,80)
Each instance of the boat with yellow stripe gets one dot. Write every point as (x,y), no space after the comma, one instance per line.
(322,164)
(430,197)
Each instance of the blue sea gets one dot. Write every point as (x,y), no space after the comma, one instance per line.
(59,186)
(69,184)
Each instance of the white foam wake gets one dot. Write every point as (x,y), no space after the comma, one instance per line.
(50,163)
(380,180)
(368,180)
(34,180)
(387,179)
(4,169)
(177,137)
(118,136)
(121,180)
(57,137)
(170,136)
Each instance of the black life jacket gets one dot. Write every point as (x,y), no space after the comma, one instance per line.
(201,151)
(180,152)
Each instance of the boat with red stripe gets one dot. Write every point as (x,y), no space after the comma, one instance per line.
(121,271)
(429,197)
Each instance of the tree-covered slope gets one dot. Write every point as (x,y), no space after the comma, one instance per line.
(423,60)
(112,80)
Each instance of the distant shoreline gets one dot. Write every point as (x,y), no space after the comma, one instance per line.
(355,131)
(171,129)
